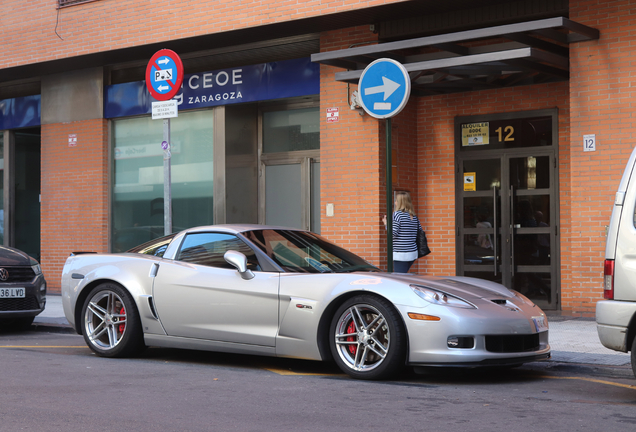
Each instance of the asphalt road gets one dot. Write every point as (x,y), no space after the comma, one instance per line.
(53,382)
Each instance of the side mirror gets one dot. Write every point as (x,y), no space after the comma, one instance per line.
(239,261)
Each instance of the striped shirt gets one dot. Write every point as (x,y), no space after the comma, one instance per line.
(405,236)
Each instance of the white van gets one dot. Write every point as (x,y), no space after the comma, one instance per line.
(616,315)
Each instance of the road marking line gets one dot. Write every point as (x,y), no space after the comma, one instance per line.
(288,372)
(629,386)
(40,346)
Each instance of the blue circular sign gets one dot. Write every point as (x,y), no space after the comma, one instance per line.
(384,88)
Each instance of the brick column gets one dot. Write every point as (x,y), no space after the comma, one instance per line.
(352,167)
(602,100)
(75,190)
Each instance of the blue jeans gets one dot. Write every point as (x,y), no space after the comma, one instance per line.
(402,266)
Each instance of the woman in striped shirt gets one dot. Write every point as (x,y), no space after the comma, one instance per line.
(405,228)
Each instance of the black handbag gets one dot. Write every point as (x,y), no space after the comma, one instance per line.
(422,244)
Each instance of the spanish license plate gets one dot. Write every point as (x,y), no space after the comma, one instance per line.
(12,292)
(540,323)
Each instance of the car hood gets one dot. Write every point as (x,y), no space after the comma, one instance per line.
(14,257)
(463,287)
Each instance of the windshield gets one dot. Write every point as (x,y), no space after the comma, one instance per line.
(306,252)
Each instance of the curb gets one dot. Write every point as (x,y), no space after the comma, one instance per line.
(52,328)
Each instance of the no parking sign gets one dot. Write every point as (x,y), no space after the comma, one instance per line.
(164,75)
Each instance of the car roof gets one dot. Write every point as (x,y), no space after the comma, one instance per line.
(239,228)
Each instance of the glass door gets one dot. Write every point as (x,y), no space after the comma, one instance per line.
(289,186)
(507,222)
(532,223)
(292,193)
(481,219)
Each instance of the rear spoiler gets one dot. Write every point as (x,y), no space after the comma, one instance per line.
(81,253)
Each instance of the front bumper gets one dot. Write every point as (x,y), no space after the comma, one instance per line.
(428,340)
(31,305)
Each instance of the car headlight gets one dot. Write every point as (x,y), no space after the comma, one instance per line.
(440,298)
(37,269)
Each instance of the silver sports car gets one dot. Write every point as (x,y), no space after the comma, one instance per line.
(284,292)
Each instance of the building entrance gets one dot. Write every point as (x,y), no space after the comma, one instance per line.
(507,201)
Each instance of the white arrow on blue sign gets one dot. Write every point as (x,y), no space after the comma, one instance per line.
(384,88)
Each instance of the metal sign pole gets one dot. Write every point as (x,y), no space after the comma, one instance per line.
(384,89)
(389,199)
(167,180)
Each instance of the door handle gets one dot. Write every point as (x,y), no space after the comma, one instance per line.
(153,270)
(494,223)
(512,232)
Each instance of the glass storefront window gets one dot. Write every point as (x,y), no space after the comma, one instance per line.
(137,195)
(291,130)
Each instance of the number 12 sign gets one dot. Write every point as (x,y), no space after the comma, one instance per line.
(589,142)
(164,75)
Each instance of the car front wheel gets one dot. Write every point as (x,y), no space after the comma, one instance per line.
(111,322)
(368,340)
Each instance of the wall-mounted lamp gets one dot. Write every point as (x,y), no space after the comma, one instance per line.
(354,102)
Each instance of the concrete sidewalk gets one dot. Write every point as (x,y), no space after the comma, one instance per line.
(573,340)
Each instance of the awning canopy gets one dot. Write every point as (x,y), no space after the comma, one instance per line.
(502,56)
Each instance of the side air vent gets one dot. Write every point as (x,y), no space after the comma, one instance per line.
(151,304)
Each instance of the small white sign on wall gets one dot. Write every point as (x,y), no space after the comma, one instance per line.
(333,115)
(589,142)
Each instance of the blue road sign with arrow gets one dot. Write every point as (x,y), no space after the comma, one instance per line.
(384,88)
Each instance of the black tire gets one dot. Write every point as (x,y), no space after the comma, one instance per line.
(111,324)
(377,347)
(633,356)
(18,324)
(23,323)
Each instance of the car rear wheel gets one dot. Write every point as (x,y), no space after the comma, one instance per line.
(111,322)
(368,340)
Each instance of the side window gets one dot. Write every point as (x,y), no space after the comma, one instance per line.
(208,249)
(155,247)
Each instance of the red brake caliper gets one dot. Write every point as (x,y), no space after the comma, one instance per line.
(352,329)
(122,326)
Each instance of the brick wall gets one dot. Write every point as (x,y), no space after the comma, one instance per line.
(106,25)
(350,159)
(602,101)
(74,208)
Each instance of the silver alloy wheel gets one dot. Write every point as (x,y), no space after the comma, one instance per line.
(105,320)
(362,337)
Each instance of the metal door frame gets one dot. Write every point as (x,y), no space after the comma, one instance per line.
(505,230)
(306,160)
(304,157)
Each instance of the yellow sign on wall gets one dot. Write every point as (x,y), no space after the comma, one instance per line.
(469,181)
(475,134)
